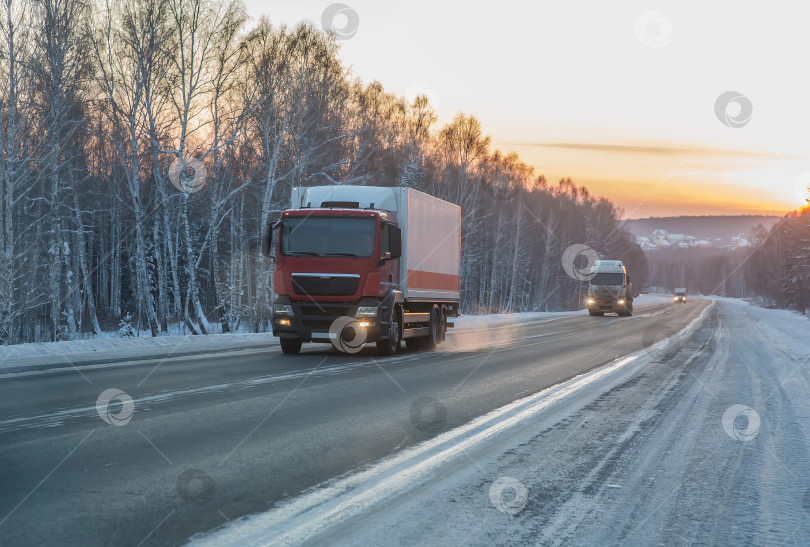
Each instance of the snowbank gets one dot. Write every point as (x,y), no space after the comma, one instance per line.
(789,330)
(106,349)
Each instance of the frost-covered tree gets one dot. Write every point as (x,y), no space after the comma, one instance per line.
(102,101)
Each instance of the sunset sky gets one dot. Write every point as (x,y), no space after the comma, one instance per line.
(618,95)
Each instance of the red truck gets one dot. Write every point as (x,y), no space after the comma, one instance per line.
(357,264)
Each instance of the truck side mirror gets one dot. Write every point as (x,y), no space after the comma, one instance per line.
(395,242)
(267,240)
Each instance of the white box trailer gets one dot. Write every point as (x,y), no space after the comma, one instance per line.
(431,243)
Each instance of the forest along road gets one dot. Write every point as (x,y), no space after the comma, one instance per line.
(195,442)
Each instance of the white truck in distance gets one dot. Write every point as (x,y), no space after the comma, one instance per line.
(610,290)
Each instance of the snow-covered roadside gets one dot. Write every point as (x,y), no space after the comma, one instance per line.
(788,329)
(709,445)
(103,350)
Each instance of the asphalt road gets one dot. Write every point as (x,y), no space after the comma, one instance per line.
(213,438)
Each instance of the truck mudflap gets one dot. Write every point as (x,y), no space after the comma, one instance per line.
(388,305)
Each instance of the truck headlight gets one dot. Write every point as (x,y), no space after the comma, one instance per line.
(366,311)
(621,301)
(591,301)
(282,309)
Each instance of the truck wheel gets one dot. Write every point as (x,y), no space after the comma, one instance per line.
(432,339)
(391,345)
(290,345)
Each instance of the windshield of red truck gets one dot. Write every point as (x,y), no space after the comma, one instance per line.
(608,279)
(328,236)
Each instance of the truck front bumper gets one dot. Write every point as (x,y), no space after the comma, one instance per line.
(608,305)
(325,321)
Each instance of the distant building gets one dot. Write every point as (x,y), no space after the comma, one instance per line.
(740,241)
(662,239)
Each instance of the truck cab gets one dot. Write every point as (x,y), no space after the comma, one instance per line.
(679,295)
(610,289)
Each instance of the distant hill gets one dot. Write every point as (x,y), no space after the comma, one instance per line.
(702,227)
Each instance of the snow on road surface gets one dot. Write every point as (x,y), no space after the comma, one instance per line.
(705,442)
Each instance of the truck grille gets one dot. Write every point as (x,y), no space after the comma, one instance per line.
(325,284)
(326,311)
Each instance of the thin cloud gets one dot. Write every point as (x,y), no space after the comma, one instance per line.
(652,150)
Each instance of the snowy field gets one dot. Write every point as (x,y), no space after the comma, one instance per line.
(705,440)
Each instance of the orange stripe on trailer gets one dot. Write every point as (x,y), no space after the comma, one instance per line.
(418,279)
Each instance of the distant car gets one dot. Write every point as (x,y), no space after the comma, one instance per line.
(679,295)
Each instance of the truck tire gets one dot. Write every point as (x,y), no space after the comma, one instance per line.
(429,342)
(291,346)
(432,340)
(390,346)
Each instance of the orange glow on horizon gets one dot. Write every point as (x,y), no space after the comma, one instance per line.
(654,179)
